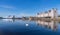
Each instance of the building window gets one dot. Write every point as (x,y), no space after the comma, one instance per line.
(49,10)
(55,11)
(37,13)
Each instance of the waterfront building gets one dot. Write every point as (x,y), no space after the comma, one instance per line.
(48,14)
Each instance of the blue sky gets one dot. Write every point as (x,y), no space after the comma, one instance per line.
(26,7)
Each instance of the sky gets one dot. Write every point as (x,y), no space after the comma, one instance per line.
(26,7)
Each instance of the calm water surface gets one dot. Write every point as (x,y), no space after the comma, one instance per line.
(26,27)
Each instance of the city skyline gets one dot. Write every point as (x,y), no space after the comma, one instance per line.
(26,7)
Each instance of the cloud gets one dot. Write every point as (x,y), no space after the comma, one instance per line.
(6,6)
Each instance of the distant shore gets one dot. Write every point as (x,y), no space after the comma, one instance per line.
(44,19)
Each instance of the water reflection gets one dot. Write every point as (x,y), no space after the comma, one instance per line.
(9,20)
(29,27)
(52,25)
(48,24)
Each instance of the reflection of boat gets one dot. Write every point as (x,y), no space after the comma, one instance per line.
(51,25)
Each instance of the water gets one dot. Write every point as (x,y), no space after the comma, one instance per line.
(27,27)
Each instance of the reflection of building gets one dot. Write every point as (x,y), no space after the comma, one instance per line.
(51,14)
(51,24)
